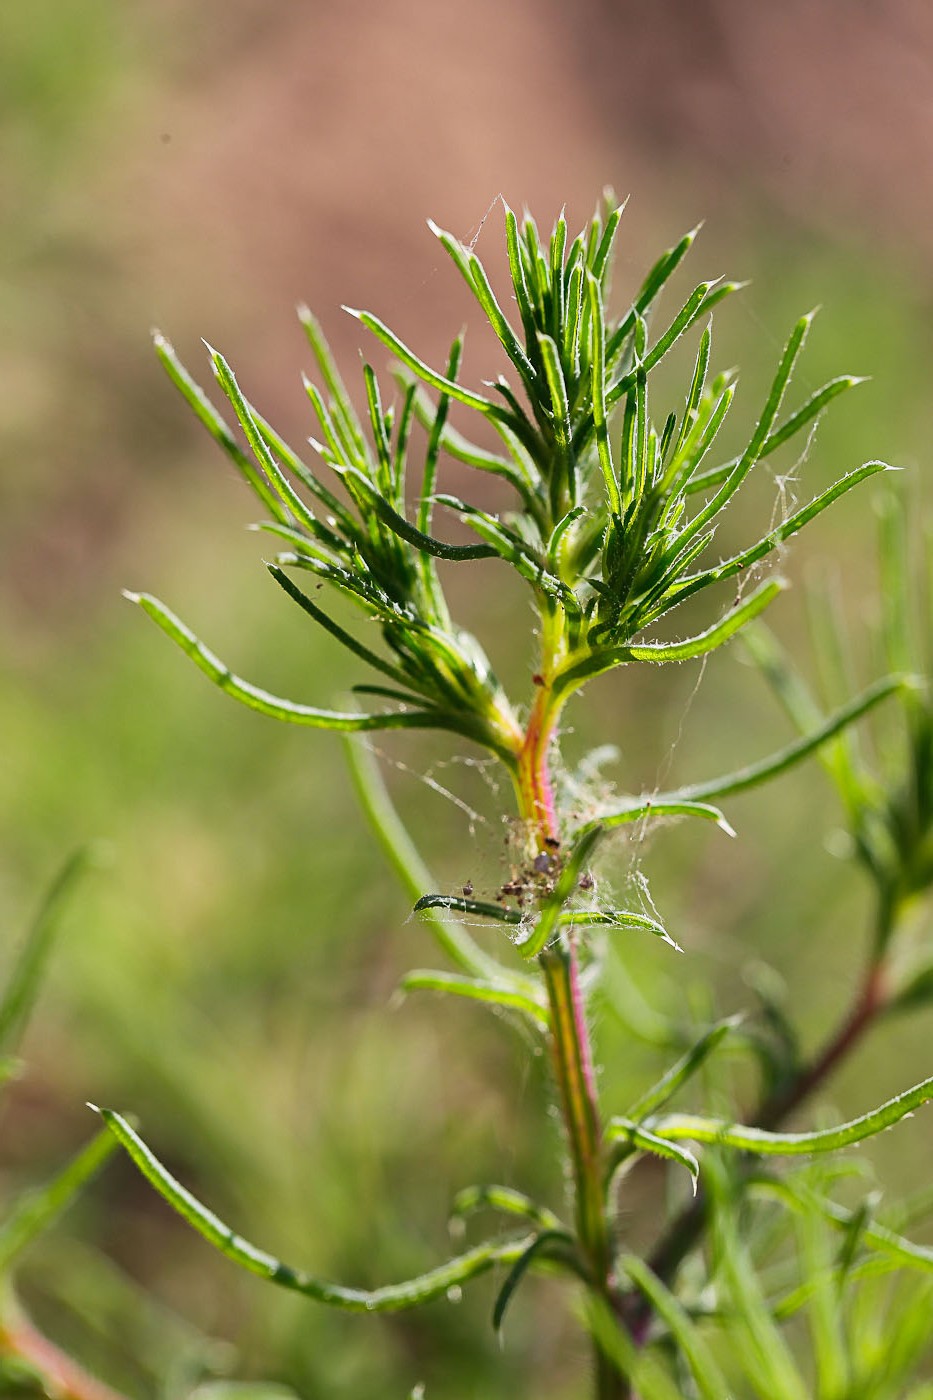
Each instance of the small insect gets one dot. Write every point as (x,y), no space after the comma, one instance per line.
(542,863)
(586,881)
(467,889)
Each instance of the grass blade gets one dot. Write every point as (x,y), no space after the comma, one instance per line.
(711,1383)
(36,1210)
(20,992)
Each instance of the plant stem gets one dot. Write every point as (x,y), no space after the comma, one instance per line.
(571,1047)
(61,1377)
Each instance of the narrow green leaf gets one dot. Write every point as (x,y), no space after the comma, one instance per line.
(345,638)
(423,371)
(758,1140)
(519,281)
(20,992)
(777,763)
(36,1210)
(557,388)
(644,1140)
(289,710)
(303,473)
(342,403)
(380,432)
(505,1200)
(644,808)
(598,392)
(753,451)
(873,1234)
(649,1379)
(694,394)
(714,636)
(605,658)
(688,586)
(219,430)
(602,256)
(269,467)
(392,1298)
(557,1246)
(814,405)
(435,440)
(615,918)
(408,532)
(474,274)
(683,1070)
(711,1383)
(462,905)
(558,244)
(769,1361)
(694,307)
(660,273)
(554,553)
(494,993)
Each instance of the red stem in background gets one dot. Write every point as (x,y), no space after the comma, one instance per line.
(62,1378)
(687,1228)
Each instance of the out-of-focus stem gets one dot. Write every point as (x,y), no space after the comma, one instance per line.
(62,1378)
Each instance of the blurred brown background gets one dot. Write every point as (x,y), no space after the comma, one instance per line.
(203,167)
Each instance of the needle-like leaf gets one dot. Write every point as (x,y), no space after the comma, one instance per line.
(392,1298)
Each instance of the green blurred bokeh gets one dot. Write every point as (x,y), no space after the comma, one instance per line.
(230,977)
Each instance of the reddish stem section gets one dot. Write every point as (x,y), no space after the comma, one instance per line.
(868,1003)
(571,1049)
(61,1377)
(536,792)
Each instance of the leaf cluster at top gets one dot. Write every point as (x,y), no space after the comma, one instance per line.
(613,512)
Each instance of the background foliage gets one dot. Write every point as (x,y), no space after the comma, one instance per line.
(232,975)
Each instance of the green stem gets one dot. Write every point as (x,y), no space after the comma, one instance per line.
(571,1047)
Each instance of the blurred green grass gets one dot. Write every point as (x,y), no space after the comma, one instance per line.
(231,978)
